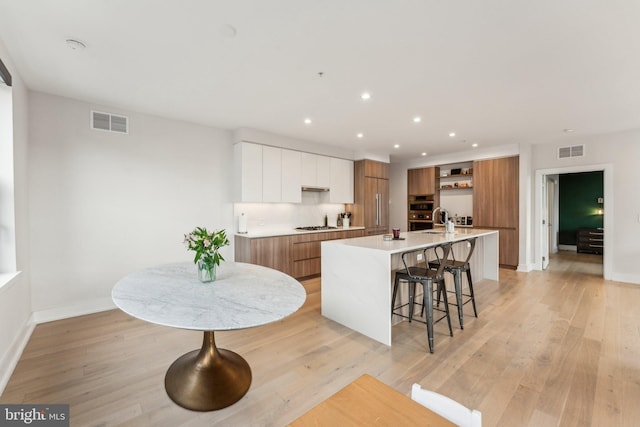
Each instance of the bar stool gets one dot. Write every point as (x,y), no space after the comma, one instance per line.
(426,277)
(451,265)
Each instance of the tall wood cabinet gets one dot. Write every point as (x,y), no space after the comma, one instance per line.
(371,196)
(496,203)
(422,181)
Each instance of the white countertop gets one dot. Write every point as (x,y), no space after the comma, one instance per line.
(412,240)
(242,296)
(290,232)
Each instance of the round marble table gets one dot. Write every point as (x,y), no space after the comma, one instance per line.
(243,296)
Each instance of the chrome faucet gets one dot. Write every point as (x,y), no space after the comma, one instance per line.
(442,211)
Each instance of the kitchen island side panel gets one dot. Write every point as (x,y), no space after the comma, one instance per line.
(356,289)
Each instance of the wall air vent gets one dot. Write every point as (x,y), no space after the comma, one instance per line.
(572,151)
(109,122)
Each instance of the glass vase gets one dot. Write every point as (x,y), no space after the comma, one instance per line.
(206,271)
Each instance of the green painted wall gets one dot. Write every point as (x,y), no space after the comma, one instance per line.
(579,194)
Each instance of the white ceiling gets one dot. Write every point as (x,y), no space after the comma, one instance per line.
(494,71)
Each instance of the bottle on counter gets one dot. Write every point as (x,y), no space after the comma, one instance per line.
(242,224)
(449,227)
(326,220)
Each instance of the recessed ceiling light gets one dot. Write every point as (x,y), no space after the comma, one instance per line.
(307,121)
(360,135)
(568,130)
(417,119)
(396,146)
(424,154)
(75,44)
(474,145)
(365,95)
(452,134)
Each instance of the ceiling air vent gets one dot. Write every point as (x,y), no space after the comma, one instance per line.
(109,122)
(573,151)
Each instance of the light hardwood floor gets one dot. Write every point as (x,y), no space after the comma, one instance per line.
(560,347)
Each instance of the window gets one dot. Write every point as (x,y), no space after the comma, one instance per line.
(7,207)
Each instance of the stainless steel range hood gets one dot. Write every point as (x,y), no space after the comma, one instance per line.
(315,189)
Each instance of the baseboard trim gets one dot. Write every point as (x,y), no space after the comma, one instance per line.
(88,307)
(626,278)
(10,359)
(526,268)
(572,248)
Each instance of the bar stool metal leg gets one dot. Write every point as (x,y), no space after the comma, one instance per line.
(395,292)
(428,303)
(412,298)
(473,297)
(457,281)
(446,305)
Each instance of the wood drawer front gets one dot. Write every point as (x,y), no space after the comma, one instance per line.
(588,239)
(307,267)
(306,250)
(586,235)
(316,237)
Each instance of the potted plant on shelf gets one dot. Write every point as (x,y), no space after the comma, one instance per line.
(206,245)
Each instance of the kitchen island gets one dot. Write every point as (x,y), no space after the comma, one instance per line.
(357,274)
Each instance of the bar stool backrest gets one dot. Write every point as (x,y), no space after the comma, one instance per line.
(445,249)
(472,244)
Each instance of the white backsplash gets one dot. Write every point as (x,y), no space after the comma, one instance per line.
(263,217)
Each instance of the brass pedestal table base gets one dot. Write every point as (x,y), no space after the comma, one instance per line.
(209,378)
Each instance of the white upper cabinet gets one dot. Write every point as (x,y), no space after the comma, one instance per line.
(271,174)
(291,176)
(309,169)
(277,175)
(248,168)
(323,173)
(341,181)
(316,170)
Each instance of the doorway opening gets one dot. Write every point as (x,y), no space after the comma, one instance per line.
(548,224)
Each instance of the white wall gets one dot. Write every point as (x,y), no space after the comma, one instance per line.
(105,204)
(622,152)
(15,295)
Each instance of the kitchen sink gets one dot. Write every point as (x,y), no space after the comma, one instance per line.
(437,232)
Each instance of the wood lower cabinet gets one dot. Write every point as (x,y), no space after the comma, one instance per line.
(508,249)
(297,255)
(307,250)
(272,252)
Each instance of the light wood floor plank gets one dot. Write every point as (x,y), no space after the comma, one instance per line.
(559,347)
